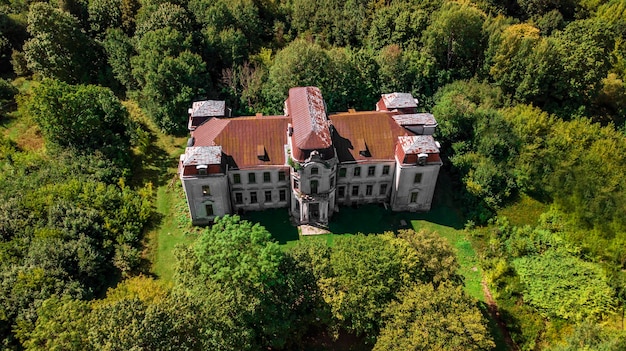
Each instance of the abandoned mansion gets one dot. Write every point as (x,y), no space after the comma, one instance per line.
(309,160)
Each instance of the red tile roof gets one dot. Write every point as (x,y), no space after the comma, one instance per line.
(305,106)
(241,137)
(378,130)
(205,134)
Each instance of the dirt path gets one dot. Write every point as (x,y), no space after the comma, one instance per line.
(495,314)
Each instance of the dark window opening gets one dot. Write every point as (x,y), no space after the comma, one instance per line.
(355,190)
(418,178)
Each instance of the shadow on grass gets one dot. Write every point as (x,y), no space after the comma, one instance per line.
(276,221)
(494,329)
(153,164)
(367,219)
(375,218)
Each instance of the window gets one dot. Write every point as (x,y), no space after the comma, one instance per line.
(314,170)
(355,190)
(371,170)
(206,190)
(368,190)
(383,189)
(268,196)
(253,199)
(342,172)
(237,178)
(418,178)
(357,171)
(414,197)
(341,191)
(296,184)
(385,170)
(251,178)
(314,184)
(282,195)
(238,198)
(332,182)
(201,170)
(281,176)
(209,210)
(267,177)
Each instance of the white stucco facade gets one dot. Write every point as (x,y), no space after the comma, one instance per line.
(311,163)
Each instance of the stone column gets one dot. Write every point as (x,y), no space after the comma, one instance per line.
(304,212)
(324,211)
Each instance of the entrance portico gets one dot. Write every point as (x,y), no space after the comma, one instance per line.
(312,209)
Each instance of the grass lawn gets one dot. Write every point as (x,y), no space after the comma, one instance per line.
(156,163)
(524,211)
(443,218)
(173,230)
(277,222)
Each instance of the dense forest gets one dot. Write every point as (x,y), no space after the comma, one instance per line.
(530,99)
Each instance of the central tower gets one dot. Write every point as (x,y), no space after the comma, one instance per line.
(311,155)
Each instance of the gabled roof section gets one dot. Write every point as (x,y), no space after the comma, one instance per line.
(208,108)
(305,106)
(206,133)
(375,131)
(415,119)
(202,155)
(418,144)
(241,138)
(399,100)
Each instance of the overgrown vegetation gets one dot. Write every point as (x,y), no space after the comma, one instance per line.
(531,104)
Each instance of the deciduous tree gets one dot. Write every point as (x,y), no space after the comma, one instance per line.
(428,318)
(86,118)
(58,48)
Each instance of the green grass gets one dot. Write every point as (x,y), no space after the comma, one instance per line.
(470,268)
(443,218)
(525,211)
(174,229)
(156,163)
(277,222)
